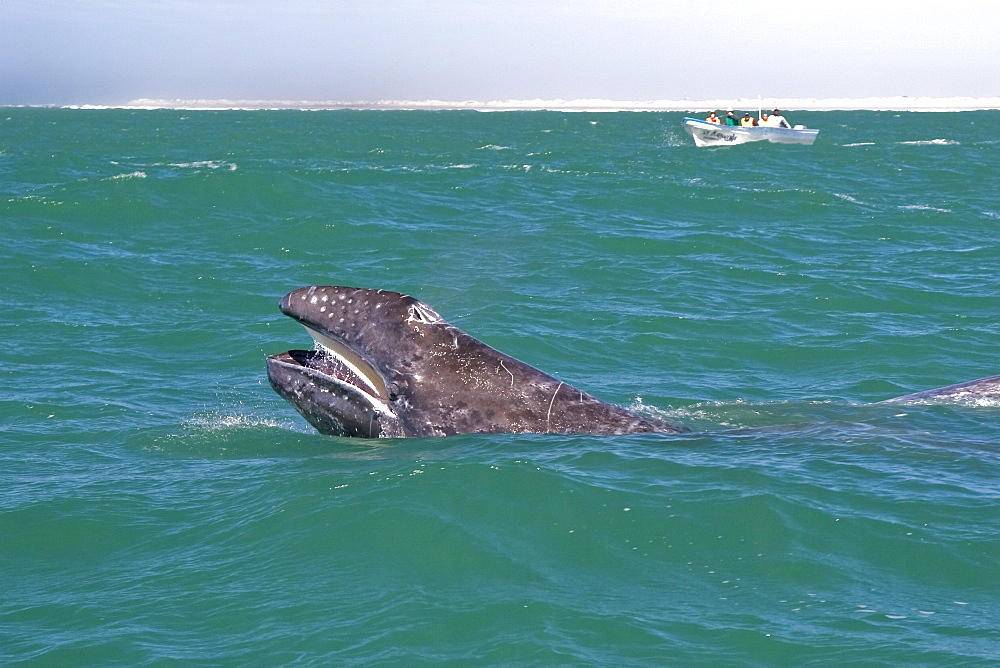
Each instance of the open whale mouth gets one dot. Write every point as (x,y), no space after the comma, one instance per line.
(336,362)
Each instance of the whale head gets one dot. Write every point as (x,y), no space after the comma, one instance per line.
(388,365)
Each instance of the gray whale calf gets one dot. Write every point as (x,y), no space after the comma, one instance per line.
(386,365)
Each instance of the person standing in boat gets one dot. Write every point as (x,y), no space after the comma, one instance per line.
(747,121)
(712,118)
(763,119)
(778,121)
(731,117)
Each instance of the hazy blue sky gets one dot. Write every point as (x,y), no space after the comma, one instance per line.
(113,51)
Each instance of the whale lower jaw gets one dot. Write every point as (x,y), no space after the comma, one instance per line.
(314,383)
(326,365)
(358,370)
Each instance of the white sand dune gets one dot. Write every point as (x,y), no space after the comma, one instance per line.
(898,103)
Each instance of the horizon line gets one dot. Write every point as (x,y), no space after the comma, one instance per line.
(873,103)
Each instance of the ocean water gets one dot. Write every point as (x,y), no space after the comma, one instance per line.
(160,504)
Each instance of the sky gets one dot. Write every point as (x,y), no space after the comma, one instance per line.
(107,52)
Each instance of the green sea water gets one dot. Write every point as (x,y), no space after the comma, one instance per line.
(160,504)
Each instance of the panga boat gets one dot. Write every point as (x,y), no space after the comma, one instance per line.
(712,134)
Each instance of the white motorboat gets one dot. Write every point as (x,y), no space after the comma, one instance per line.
(713,134)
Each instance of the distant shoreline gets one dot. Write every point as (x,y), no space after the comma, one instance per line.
(898,103)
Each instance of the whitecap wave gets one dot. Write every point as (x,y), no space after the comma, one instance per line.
(931,142)
(203,164)
(848,198)
(924,207)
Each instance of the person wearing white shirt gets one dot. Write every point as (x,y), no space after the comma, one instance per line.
(778,121)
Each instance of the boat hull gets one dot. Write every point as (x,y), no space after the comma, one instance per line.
(711,134)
